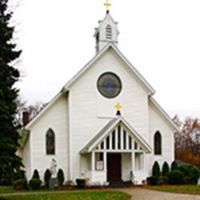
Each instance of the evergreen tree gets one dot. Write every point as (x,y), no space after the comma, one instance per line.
(174,166)
(165,169)
(10,163)
(47,176)
(156,169)
(60,177)
(36,174)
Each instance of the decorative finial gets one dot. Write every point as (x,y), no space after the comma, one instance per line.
(107,4)
(118,107)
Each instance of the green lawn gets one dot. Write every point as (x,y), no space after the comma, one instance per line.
(6,189)
(79,195)
(188,189)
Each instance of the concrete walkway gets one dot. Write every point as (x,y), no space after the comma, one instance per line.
(142,194)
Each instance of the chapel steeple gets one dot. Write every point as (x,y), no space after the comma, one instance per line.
(107,32)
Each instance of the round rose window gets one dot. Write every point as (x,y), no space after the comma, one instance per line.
(109,85)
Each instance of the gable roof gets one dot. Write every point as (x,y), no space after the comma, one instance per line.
(108,15)
(69,84)
(108,128)
(44,110)
(164,114)
(24,138)
(139,77)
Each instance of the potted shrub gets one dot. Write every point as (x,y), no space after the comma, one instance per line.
(81,183)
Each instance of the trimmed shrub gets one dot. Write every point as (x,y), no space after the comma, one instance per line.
(156,169)
(163,180)
(165,169)
(35,183)
(36,174)
(81,183)
(175,177)
(187,180)
(152,180)
(60,177)
(20,184)
(47,176)
(174,166)
(190,172)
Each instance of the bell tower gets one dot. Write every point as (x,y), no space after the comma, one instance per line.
(107,32)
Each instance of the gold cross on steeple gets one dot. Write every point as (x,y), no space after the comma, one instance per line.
(107,4)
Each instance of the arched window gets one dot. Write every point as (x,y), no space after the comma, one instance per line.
(108,32)
(50,142)
(157,143)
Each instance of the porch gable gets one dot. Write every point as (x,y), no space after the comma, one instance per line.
(117,136)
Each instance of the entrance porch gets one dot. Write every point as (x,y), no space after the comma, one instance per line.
(116,153)
(107,167)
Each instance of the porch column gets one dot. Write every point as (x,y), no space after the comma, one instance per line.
(142,161)
(105,161)
(133,166)
(93,161)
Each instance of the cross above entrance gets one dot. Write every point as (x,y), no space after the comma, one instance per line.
(118,107)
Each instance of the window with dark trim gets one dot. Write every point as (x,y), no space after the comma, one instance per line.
(109,85)
(50,142)
(99,161)
(157,143)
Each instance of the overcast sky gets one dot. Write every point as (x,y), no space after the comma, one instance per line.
(160,37)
